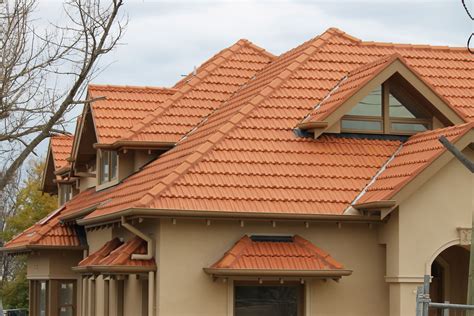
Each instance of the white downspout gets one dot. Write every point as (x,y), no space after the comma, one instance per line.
(147,256)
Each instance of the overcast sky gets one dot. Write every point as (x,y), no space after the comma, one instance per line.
(166,39)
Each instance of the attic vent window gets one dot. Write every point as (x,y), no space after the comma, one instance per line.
(269,238)
(388,109)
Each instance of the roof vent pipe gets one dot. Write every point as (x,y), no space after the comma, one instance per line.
(149,241)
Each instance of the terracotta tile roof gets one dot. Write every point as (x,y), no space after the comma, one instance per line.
(245,156)
(103,252)
(123,107)
(198,95)
(350,84)
(415,155)
(61,146)
(118,254)
(298,254)
(450,71)
(47,232)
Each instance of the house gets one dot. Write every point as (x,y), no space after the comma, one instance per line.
(310,183)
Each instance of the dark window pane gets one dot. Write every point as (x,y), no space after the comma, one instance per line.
(397,109)
(371,105)
(361,125)
(267,300)
(409,127)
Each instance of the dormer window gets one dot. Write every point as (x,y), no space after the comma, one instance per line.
(108,162)
(387,110)
(65,193)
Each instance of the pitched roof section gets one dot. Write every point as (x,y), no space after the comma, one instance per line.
(118,255)
(415,156)
(450,71)
(245,156)
(200,94)
(367,76)
(123,107)
(297,254)
(61,146)
(96,257)
(48,233)
(348,85)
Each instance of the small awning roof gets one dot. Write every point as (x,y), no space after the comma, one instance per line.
(276,256)
(115,256)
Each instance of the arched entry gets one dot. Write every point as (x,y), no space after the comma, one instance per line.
(450,272)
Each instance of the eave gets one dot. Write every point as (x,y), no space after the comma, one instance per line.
(130,144)
(256,273)
(210,215)
(30,248)
(114,269)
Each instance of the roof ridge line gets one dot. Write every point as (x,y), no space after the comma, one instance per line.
(112,86)
(336,31)
(258,48)
(186,87)
(413,46)
(224,129)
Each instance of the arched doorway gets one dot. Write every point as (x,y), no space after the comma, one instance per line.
(450,273)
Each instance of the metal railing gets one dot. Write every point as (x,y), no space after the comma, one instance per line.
(424,303)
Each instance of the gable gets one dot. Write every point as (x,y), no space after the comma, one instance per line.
(357,86)
(83,151)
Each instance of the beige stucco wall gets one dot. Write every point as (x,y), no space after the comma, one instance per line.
(54,264)
(424,225)
(188,246)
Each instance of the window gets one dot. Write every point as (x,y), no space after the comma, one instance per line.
(65,193)
(387,111)
(67,298)
(268,300)
(39,297)
(56,297)
(108,166)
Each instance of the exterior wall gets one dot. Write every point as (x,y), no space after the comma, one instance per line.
(423,226)
(56,265)
(189,246)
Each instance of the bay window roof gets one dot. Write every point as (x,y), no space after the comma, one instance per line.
(274,256)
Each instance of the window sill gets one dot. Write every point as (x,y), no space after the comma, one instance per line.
(106,185)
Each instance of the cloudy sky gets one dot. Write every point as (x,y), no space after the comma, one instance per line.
(166,39)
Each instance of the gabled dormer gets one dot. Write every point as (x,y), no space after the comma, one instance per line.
(99,158)
(386,96)
(57,178)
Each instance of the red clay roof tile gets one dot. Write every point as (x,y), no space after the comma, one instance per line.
(122,108)
(415,155)
(244,156)
(61,146)
(115,253)
(297,254)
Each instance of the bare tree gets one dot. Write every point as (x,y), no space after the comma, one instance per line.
(45,70)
